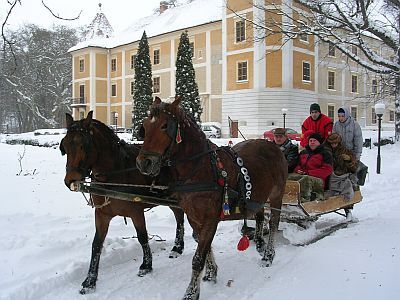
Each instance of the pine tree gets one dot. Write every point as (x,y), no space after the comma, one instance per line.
(186,85)
(142,96)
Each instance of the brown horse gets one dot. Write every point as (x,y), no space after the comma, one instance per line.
(205,175)
(95,150)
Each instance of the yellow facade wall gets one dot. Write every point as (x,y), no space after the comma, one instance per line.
(101,91)
(271,17)
(232,60)
(274,69)
(101,113)
(101,65)
(235,6)
(298,83)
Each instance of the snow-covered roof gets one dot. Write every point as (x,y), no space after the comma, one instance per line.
(98,28)
(192,14)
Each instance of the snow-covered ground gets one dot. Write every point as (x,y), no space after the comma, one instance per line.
(47,234)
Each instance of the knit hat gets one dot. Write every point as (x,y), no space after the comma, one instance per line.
(317,137)
(315,106)
(334,138)
(341,111)
(280,131)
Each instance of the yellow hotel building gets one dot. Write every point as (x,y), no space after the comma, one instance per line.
(246,80)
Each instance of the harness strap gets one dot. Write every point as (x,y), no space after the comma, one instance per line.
(195,187)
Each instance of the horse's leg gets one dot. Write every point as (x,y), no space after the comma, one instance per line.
(206,236)
(258,235)
(140,225)
(180,232)
(269,252)
(102,222)
(211,268)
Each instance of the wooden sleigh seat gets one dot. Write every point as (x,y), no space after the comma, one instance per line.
(316,208)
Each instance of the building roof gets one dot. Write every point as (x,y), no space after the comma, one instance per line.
(98,28)
(195,13)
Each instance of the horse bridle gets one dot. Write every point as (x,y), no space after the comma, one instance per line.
(83,169)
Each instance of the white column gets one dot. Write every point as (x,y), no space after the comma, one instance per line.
(287,50)
(172,72)
(259,72)
(123,88)
(108,87)
(92,82)
(224,60)
(343,86)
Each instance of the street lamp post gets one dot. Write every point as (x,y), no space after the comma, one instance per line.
(379,110)
(116,120)
(284,112)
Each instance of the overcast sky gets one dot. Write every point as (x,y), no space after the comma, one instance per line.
(120,13)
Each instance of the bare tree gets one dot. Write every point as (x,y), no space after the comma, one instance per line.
(362,24)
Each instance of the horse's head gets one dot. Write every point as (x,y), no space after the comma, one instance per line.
(161,130)
(78,145)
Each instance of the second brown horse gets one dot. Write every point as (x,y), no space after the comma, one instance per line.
(172,138)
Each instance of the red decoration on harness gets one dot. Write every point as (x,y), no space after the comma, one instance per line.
(178,134)
(244,243)
(221,181)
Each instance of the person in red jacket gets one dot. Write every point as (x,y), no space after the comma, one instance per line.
(313,170)
(317,122)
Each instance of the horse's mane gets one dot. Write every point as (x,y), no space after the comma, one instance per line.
(178,113)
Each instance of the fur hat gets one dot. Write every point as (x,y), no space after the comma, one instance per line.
(334,138)
(315,106)
(280,131)
(317,137)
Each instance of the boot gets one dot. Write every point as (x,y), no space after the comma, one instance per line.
(349,215)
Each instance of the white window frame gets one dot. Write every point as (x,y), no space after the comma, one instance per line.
(331,105)
(193,49)
(237,20)
(331,45)
(200,54)
(154,55)
(159,85)
(356,110)
(374,118)
(354,50)
(82,98)
(237,71)
(114,84)
(334,80)
(132,87)
(81,64)
(113,66)
(132,61)
(392,115)
(351,83)
(302,71)
(374,86)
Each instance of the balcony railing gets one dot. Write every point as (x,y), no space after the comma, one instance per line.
(81,101)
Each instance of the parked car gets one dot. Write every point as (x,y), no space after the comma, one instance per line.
(211,131)
(291,133)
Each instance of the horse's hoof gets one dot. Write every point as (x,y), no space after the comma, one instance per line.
(174,254)
(209,278)
(143,272)
(87,290)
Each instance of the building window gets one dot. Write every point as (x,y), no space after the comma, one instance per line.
(200,54)
(114,90)
(132,87)
(391,115)
(133,58)
(242,71)
(240,31)
(82,93)
(81,115)
(191,47)
(353,110)
(113,64)
(303,37)
(331,50)
(81,65)
(374,86)
(156,85)
(156,56)
(331,112)
(354,50)
(373,116)
(331,80)
(354,83)
(306,71)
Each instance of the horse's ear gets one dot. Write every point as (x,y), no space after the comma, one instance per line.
(88,120)
(157,101)
(68,120)
(177,100)
(62,149)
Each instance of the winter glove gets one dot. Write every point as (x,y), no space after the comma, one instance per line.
(345,157)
